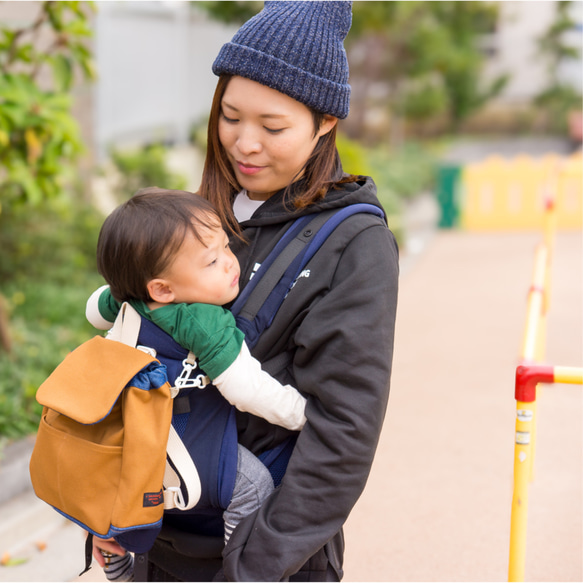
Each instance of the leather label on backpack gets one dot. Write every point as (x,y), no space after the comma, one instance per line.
(153,499)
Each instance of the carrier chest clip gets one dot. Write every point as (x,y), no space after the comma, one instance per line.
(185,379)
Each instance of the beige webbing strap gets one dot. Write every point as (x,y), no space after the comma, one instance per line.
(181,459)
(126,327)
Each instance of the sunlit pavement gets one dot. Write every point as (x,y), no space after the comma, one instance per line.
(437,505)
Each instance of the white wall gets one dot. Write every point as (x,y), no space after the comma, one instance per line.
(154,62)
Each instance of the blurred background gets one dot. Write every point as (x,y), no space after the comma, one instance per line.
(99,99)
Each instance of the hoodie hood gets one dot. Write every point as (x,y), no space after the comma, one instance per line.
(276,210)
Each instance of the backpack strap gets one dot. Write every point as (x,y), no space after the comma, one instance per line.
(126,327)
(261,299)
(181,459)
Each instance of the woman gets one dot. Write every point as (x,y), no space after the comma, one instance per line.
(271,158)
(283,85)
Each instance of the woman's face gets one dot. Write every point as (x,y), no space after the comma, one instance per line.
(267,135)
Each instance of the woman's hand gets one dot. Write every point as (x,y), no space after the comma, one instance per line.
(108,545)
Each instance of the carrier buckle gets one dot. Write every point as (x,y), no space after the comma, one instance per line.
(184,380)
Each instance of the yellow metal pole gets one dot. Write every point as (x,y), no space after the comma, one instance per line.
(527,379)
(569,375)
(534,342)
(535,305)
(522,468)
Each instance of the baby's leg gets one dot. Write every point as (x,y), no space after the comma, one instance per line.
(252,485)
(119,568)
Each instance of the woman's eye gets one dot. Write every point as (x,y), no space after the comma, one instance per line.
(229,119)
(274,131)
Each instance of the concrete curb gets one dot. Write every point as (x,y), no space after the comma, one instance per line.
(14,475)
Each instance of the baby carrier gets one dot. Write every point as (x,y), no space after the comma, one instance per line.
(198,534)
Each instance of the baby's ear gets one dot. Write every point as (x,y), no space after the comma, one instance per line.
(160,291)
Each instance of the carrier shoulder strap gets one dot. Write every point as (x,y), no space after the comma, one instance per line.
(258,303)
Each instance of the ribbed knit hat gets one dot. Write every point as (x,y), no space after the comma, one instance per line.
(295,48)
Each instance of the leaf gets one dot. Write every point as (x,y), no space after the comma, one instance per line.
(78,27)
(89,69)
(33,145)
(15,562)
(25,53)
(62,71)
(15,114)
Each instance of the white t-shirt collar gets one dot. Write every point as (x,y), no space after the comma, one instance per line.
(244,207)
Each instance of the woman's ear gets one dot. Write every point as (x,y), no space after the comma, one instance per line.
(327,124)
(160,291)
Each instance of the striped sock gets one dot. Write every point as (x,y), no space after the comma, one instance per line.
(118,568)
(229,528)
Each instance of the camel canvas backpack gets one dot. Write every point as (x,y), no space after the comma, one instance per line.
(100,457)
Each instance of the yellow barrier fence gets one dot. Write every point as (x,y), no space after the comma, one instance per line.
(530,373)
(512,194)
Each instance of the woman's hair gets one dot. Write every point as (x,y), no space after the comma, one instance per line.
(219,184)
(139,239)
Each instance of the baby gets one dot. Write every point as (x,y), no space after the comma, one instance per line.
(166,253)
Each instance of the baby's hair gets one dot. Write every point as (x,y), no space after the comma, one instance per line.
(140,238)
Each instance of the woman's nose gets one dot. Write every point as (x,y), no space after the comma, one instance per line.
(248,142)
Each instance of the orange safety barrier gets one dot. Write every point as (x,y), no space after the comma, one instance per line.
(529,374)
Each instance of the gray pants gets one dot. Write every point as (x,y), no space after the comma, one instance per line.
(253,485)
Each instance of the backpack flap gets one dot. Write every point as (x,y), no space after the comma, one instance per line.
(86,385)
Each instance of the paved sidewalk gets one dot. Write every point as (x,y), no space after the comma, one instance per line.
(437,505)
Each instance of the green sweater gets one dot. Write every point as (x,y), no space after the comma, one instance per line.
(208,331)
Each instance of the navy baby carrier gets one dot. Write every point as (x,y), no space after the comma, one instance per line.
(203,419)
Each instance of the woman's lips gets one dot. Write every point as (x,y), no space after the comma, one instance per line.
(248,169)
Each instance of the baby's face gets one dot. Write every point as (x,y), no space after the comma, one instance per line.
(206,274)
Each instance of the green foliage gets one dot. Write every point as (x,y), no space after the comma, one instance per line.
(54,242)
(39,138)
(47,322)
(198,133)
(37,135)
(144,167)
(552,45)
(558,98)
(47,272)
(465,22)
(426,54)
(231,12)
(354,156)
(407,171)
(399,173)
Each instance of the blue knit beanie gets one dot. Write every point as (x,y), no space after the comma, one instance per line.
(295,48)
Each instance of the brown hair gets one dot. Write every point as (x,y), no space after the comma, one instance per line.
(140,238)
(219,184)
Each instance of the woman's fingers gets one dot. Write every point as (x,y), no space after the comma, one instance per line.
(108,545)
